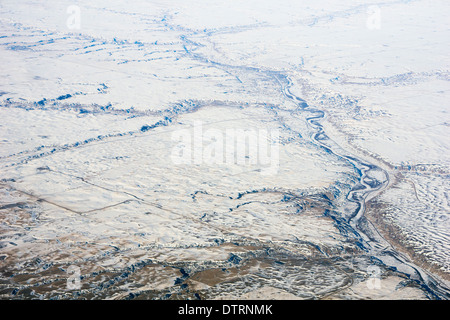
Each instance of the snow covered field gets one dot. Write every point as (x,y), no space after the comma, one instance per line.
(211,150)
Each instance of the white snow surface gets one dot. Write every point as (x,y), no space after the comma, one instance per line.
(88,119)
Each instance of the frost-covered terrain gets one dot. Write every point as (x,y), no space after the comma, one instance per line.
(224,149)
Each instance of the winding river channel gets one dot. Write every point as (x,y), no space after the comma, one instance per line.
(368,187)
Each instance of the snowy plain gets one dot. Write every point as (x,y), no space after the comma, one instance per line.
(93,95)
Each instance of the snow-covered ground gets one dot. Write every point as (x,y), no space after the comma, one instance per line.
(210,149)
